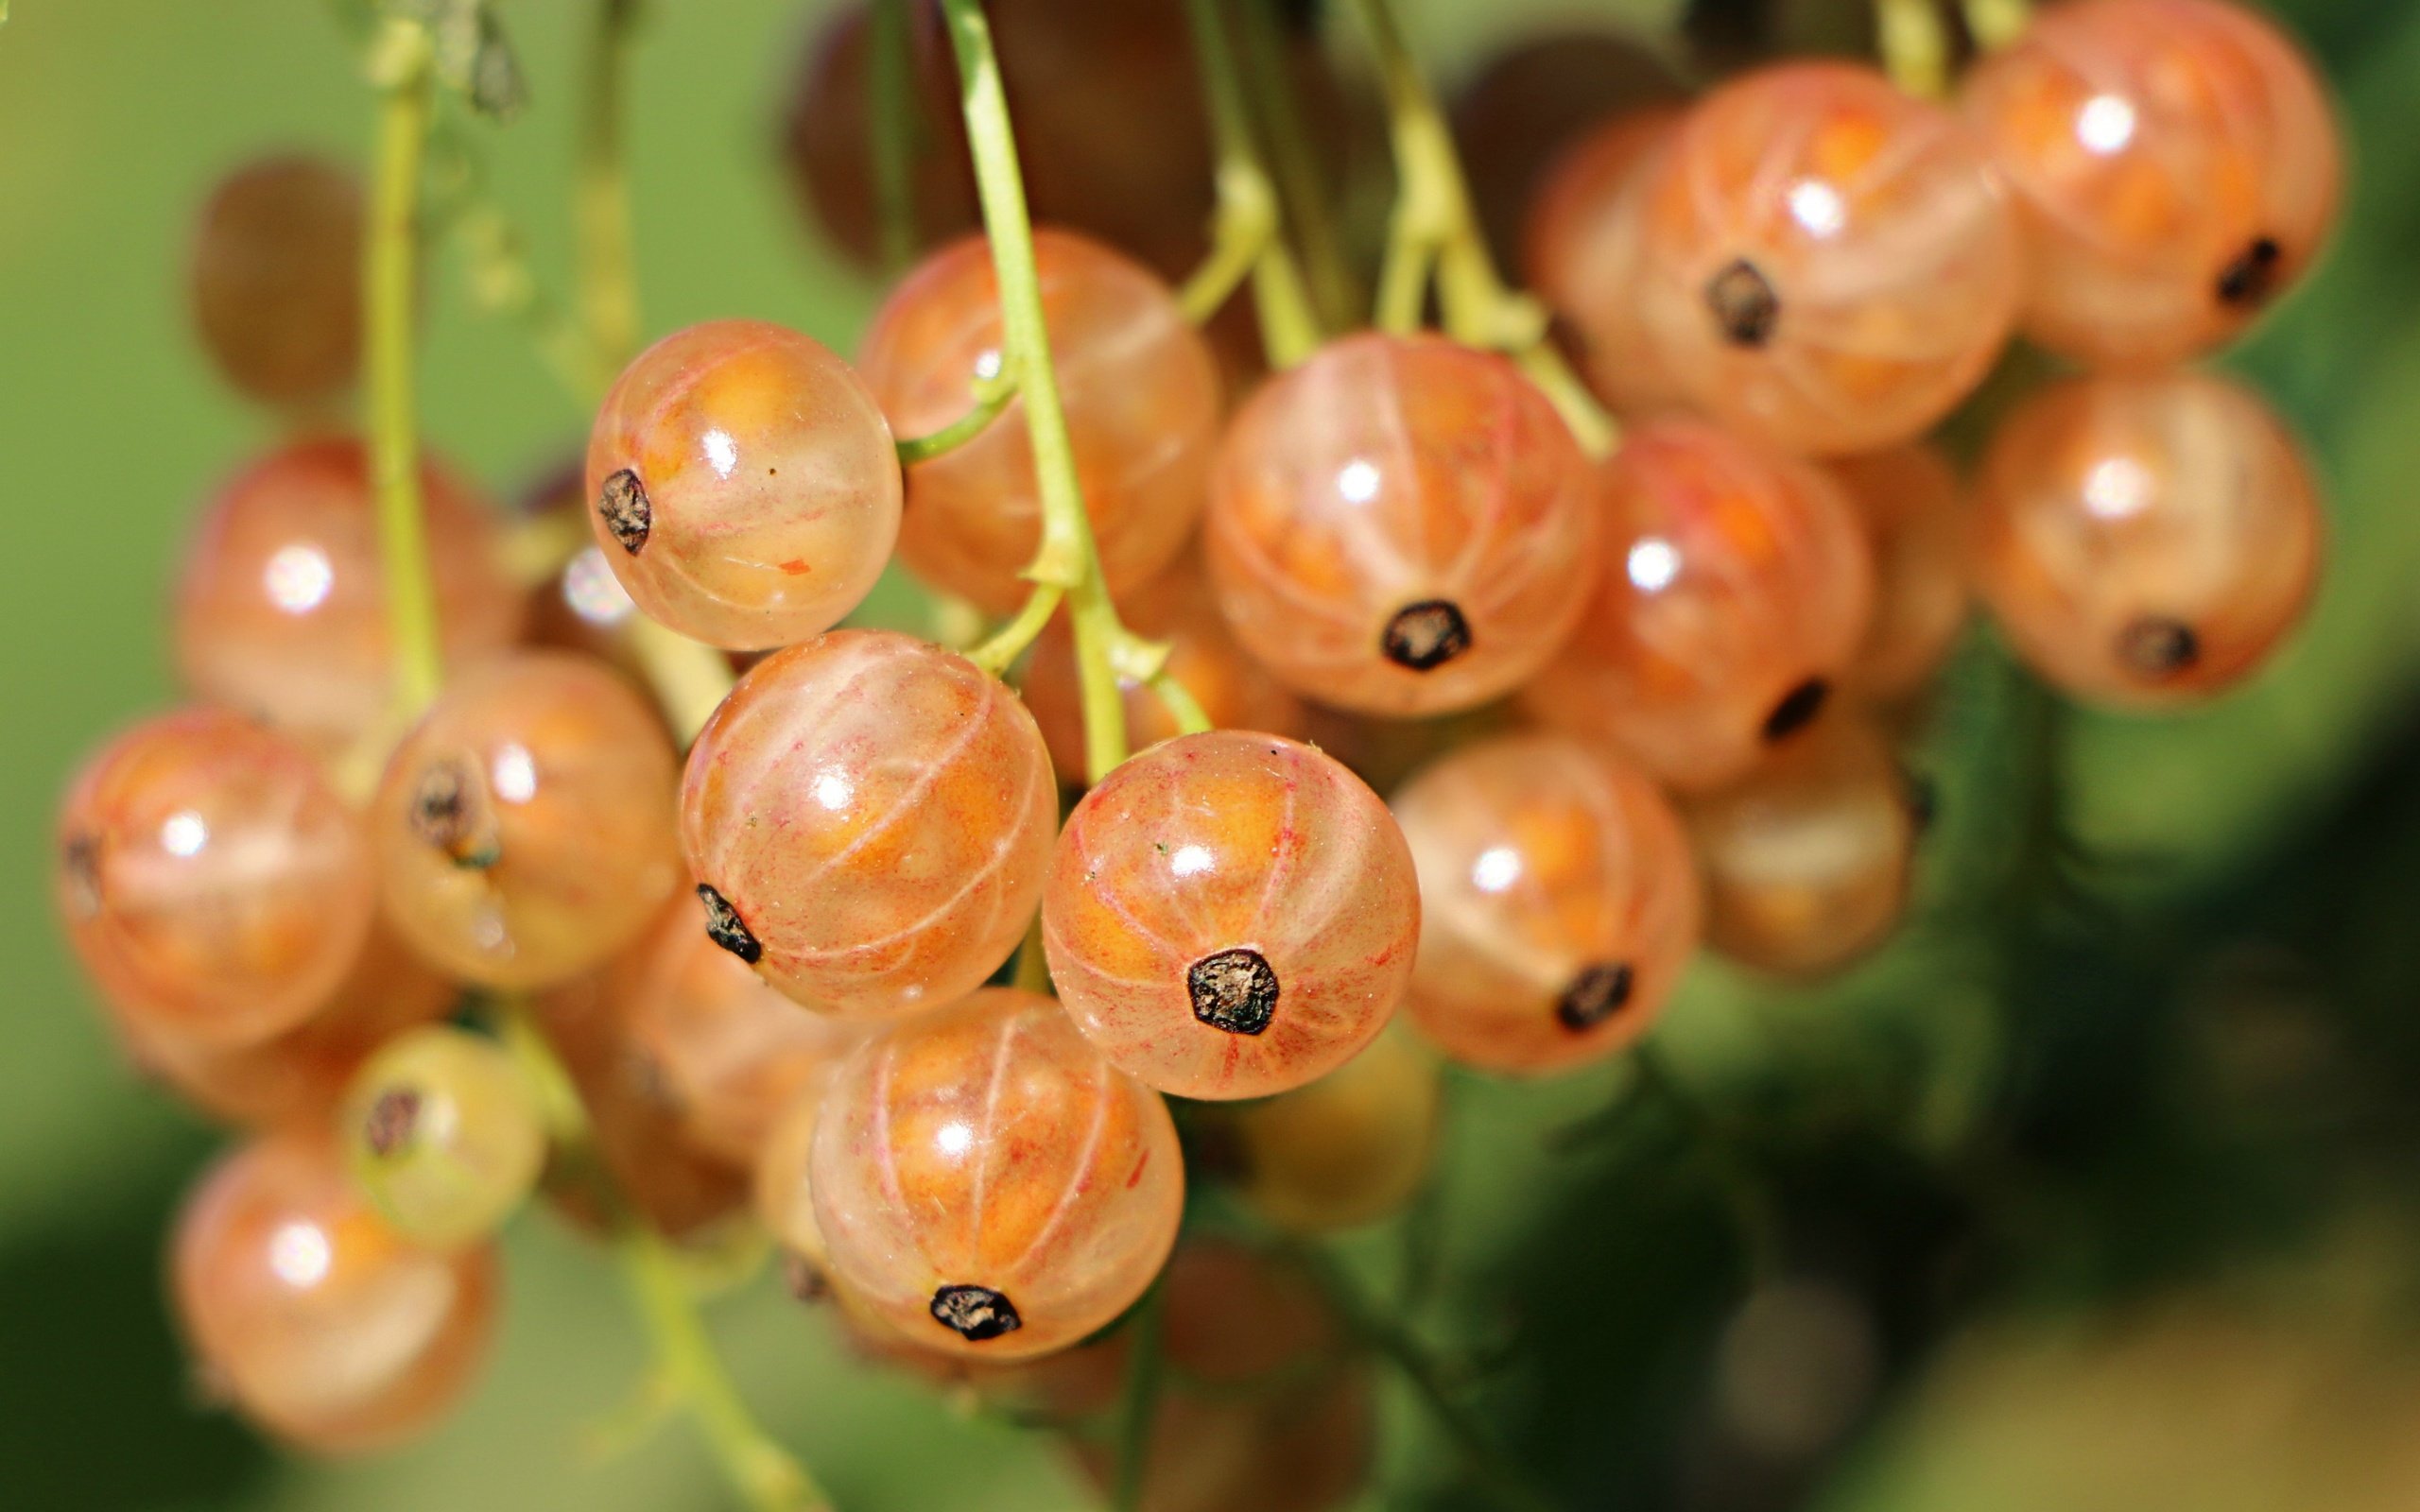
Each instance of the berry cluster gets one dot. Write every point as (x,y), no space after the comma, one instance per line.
(758,961)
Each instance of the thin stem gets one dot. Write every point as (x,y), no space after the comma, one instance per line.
(609,299)
(1914,45)
(1000,652)
(1434,219)
(690,678)
(1249,232)
(1182,706)
(990,399)
(1136,1414)
(389,285)
(1333,290)
(1995,23)
(891,130)
(1403,279)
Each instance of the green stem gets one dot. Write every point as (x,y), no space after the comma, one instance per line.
(1434,219)
(1181,704)
(997,653)
(1249,235)
(1143,1370)
(990,399)
(389,284)
(608,267)
(1333,291)
(891,131)
(1995,23)
(1915,47)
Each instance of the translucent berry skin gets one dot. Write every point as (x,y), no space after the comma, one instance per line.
(1829,265)
(326,1329)
(524,826)
(281,607)
(443,1135)
(1141,391)
(1582,248)
(298,1076)
(1735,590)
(875,815)
(1176,607)
(1807,860)
(988,1183)
(2176,165)
(1913,509)
(2146,542)
(1231,915)
(275,280)
(1401,525)
(733,1053)
(1558,903)
(213,884)
(743,485)
(1351,1148)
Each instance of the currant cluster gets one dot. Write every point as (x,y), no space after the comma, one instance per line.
(534,932)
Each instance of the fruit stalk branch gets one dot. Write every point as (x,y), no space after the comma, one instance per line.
(1310,206)
(1249,235)
(400,68)
(1995,23)
(1915,47)
(1140,1408)
(1435,231)
(609,300)
(890,134)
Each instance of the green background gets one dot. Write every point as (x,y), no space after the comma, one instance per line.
(115,117)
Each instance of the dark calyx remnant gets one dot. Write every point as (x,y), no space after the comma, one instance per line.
(804,1277)
(2157,647)
(1235,990)
(622,505)
(1797,709)
(79,863)
(726,928)
(392,1118)
(2254,275)
(1424,636)
(977,1313)
(449,811)
(1744,304)
(1598,994)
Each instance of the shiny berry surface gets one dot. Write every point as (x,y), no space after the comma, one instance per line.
(1351,1148)
(1913,506)
(1829,265)
(743,485)
(214,886)
(1231,915)
(990,1183)
(868,816)
(524,826)
(1558,903)
(1735,590)
(280,605)
(1807,859)
(732,1052)
(2177,166)
(443,1135)
(1175,607)
(1582,245)
(1141,393)
(275,280)
(1401,525)
(2146,541)
(326,1329)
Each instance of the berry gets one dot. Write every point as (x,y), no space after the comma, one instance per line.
(1141,391)
(827,147)
(1231,915)
(297,1077)
(213,884)
(743,485)
(1735,589)
(1401,525)
(1829,265)
(2146,541)
(325,1326)
(1349,1149)
(1175,607)
(1909,500)
(868,816)
(988,1183)
(784,1197)
(281,601)
(1558,903)
(1807,860)
(524,827)
(276,282)
(732,1052)
(443,1135)
(1582,246)
(2176,165)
